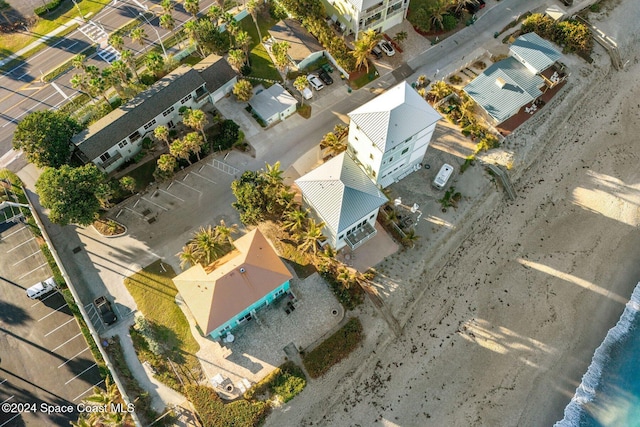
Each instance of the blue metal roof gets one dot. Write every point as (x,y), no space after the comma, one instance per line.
(504,87)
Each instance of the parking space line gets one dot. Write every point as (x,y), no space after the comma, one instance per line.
(88,390)
(8,398)
(53,312)
(137,213)
(25,258)
(68,321)
(46,298)
(203,177)
(187,185)
(10,419)
(173,195)
(3,381)
(70,339)
(95,364)
(155,204)
(14,232)
(73,357)
(26,274)
(23,243)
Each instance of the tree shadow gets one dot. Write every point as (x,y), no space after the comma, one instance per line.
(12,314)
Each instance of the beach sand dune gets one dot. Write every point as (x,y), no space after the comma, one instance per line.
(510,318)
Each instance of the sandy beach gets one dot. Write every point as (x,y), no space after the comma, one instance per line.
(506,315)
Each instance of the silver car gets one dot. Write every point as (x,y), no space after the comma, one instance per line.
(315,82)
(386,47)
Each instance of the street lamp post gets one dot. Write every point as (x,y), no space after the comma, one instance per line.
(157,33)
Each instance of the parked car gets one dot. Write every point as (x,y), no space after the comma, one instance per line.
(306,93)
(105,310)
(386,47)
(41,288)
(376,52)
(315,82)
(325,77)
(475,6)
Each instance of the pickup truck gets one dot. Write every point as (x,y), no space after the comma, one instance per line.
(105,310)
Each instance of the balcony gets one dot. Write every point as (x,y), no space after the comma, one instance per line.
(361,235)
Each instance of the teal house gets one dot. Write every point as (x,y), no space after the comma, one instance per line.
(232,289)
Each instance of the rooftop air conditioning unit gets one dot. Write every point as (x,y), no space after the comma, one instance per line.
(500,82)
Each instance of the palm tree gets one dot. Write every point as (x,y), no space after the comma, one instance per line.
(167,163)
(295,220)
(167,6)
(194,142)
(364,46)
(192,7)
(154,62)
(188,256)
(243,90)
(215,13)
(437,11)
(116,41)
(237,59)
(340,130)
(411,237)
(280,54)
(467,109)
(331,142)
(253,7)
(138,35)
(180,150)
(345,276)
(80,82)
(440,90)
(225,231)
(129,59)
(312,236)
(98,86)
(243,39)
(167,22)
(422,80)
(119,67)
(207,247)
(113,79)
(162,133)
(78,62)
(273,174)
(128,183)
(196,119)
(301,83)
(106,398)
(400,37)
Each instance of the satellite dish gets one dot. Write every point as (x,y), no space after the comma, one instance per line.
(398,201)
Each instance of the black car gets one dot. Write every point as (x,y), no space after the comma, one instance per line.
(325,77)
(475,6)
(105,310)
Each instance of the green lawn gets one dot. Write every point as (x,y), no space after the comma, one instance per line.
(261,64)
(154,293)
(11,43)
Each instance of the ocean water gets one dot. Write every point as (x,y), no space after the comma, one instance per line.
(609,394)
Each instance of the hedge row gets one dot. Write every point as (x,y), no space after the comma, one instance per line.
(286,382)
(215,413)
(335,348)
(43,10)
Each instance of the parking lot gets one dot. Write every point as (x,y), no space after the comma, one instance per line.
(43,356)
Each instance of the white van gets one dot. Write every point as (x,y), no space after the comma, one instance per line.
(443,176)
(41,288)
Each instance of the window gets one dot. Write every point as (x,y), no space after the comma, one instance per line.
(390,159)
(340,237)
(122,143)
(373,173)
(105,156)
(134,136)
(404,151)
(371,156)
(151,123)
(372,215)
(186,98)
(168,111)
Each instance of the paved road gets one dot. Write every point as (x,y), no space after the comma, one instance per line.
(21,90)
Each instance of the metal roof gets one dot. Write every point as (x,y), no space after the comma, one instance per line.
(394,116)
(122,122)
(271,101)
(340,192)
(535,51)
(232,283)
(520,86)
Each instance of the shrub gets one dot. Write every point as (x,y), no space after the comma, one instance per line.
(147,143)
(229,133)
(147,79)
(146,329)
(334,349)
(286,382)
(214,413)
(43,10)
(455,79)
(138,157)
(449,22)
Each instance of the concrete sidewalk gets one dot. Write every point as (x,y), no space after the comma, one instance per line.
(41,40)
